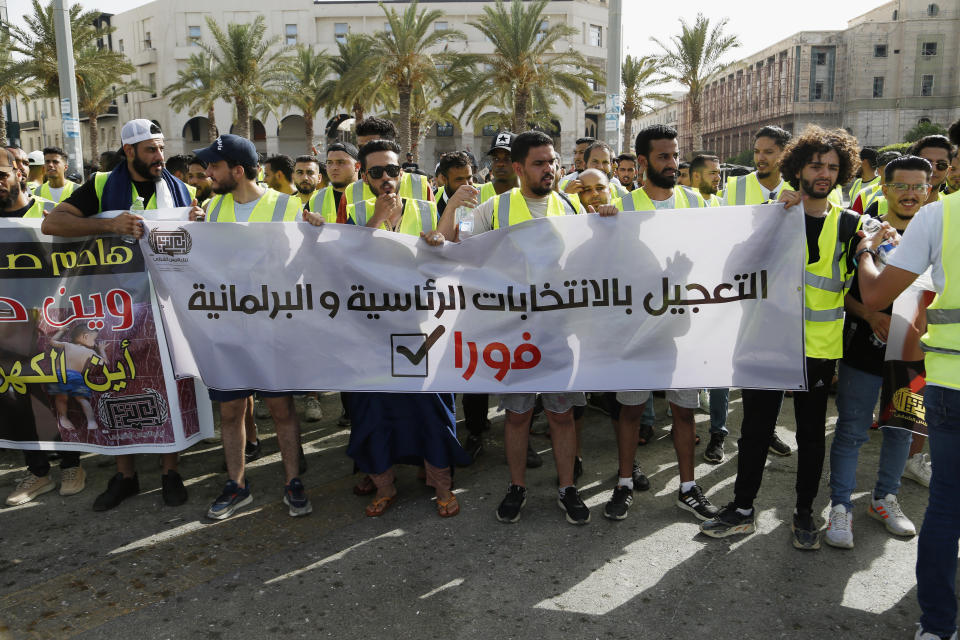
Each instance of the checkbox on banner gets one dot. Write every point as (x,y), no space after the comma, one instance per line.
(408,355)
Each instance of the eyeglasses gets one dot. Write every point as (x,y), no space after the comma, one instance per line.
(392,170)
(902,187)
(941,165)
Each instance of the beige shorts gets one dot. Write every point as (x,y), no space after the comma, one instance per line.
(686,398)
(555,402)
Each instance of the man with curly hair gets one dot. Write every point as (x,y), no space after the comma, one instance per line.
(814,163)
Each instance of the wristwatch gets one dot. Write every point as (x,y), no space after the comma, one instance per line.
(856,256)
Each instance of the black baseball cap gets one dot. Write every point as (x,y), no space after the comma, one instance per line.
(230,147)
(346,147)
(503,140)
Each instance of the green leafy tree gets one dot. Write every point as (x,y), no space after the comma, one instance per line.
(196,89)
(305,86)
(692,58)
(923,129)
(405,60)
(96,93)
(12,84)
(640,78)
(525,61)
(354,83)
(251,68)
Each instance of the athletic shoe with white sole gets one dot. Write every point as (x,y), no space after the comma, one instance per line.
(728,522)
(840,528)
(919,469)
(887,510)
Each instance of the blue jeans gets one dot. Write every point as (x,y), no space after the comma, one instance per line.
(719,403)
(649,415)
(857,393)
(937,548)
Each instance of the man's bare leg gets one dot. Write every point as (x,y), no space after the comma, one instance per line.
(288,434)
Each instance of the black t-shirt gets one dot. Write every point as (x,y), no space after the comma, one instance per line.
(85,198)
(813,227)
(859,351)
(19,213)
(336,200)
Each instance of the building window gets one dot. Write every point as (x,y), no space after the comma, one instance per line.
(291,34)
(879,51)
(596,36)
(120,45)
(126,98)
(542,29)
(818,90)
(147,40)
(193,36)
(926,85)
(821,58)
(895,15)
(152,83)
(340,31)
(592,83)
(488,130)
(441,26)
(928,50)
(932,10)
(386,27)
(878,87)
(444,129)
(923,121)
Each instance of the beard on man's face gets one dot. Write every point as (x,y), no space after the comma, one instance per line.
(662,181)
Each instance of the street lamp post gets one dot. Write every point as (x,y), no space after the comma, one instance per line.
(69,110)
(614,53)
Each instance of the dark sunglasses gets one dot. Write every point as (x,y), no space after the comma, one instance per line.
(392,170)
(942,165)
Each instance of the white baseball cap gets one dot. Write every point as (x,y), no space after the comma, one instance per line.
(35,158)
(138,130)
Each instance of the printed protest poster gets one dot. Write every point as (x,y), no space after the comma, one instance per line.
(83,361)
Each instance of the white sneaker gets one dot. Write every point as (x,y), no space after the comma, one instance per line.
(29,488)
(840,528)
(887,510)
(313,412)
(919,469)
(922,635)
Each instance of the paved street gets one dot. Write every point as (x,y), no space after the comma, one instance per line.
(145,570)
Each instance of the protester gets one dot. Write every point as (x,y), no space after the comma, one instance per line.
(871,198)
(278,174)
(869,177)
(306,177)
(627,171)
(197,178)
(57,188)
(683,177)
(578,162)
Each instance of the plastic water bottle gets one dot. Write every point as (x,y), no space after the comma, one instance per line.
(872,226)
(135,206)
(464,222)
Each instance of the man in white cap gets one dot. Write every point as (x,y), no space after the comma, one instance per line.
(142,175)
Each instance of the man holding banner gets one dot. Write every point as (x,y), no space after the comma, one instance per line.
(143,175)
(814,163)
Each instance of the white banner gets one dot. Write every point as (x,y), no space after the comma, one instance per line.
(673,299)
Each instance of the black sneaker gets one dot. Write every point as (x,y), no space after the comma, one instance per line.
(779,447)
(174,493)
(295,497)
(714,452)
(252,451)
(230,499)
(577,468)
(728,522)
(806,534)
(640,481)
(512,503)
(696,503)
(343,420)
(118,490)
(473,445)
(619,503)
(577,512)
(533,458)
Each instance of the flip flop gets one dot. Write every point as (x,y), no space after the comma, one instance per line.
(449,508)
(378,506)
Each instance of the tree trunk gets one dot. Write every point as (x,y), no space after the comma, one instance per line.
(243,119)
(357,111)
(403,133)
(627,144)
(3,123)
(696,122)
(521,106)
(415,140)
(94,140)
(308,129)
(211,124)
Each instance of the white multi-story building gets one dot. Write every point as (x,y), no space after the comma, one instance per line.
(159,37)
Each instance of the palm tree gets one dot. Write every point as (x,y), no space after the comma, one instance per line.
(354,83)
(197,89)
(639,77)
(692,58)
(11,81)
(250,68)
(524,60)
(96,93)
(403,56)
(305,88)
(37,42)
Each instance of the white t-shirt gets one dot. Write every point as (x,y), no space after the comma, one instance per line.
(55,194)
(242,212)
(483,214)
(664,204)
(777,189)
(921,248)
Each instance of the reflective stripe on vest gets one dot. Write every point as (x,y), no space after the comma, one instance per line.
(328,204)
(412,185)
(44,192)
(683,198)
(941,342)
(506,214)
(423,212)
(740,185)
(100,180)
(39,208)
(278,214)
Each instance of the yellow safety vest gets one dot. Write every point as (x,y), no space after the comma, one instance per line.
(859,185)
(327,204)
(43,191)
(867,195)
(825,283)
(713,201)
(273,206)
(638,200)
(487,191)
(100,180)
(510,208)
(412,185)
(746,189)
(941,342)
(418,215)
(40,208)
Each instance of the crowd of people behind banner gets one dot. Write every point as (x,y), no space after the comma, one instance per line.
(847,315)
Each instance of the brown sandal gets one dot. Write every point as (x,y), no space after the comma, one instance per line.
(379,505)
(449,508)
(365,487)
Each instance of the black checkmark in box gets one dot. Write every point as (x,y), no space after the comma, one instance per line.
(408,355)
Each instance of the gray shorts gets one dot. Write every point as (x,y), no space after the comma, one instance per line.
(555,402)
(686,398)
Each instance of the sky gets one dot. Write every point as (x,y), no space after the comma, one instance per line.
(644,18)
